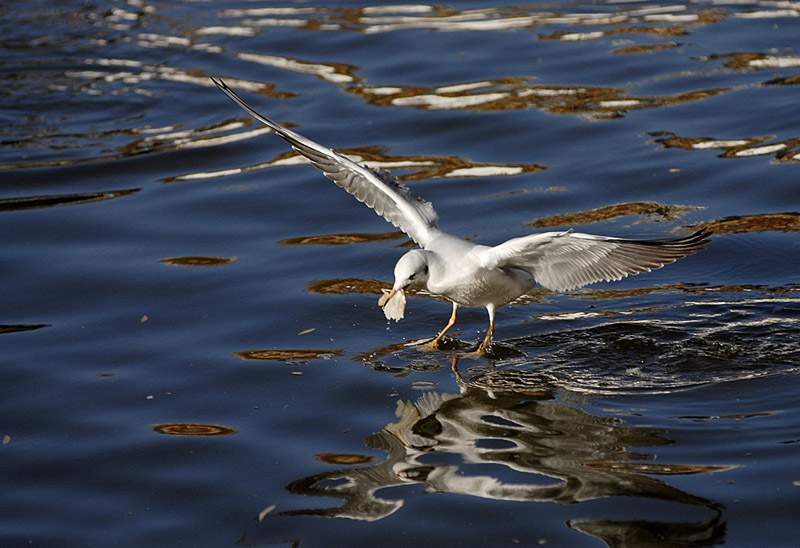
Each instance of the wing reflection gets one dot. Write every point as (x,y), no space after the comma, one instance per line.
(507,437)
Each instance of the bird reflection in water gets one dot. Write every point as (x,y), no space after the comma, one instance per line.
(512,419)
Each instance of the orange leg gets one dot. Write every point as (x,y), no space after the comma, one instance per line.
(450,323)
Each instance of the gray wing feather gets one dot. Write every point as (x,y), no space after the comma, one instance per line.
(567,260)
(377,189)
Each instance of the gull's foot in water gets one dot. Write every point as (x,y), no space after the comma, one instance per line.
(495,351)
(445,344)
(482,352)
(491,352)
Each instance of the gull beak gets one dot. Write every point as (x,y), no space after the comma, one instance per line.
(386,297)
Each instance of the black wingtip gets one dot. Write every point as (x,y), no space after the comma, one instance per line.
(693,242)
(696,239)
(223,87)
(702,236)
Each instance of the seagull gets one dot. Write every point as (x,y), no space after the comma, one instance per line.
(473,275)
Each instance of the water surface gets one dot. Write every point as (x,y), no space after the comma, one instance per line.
(192,349)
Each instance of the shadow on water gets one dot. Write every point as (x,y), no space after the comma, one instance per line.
(508,436)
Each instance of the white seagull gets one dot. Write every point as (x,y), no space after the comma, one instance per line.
(473,275)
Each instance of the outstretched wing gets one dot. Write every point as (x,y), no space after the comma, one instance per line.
(378,189)
(566,260)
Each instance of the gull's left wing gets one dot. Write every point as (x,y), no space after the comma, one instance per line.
(377,189)
(561,261)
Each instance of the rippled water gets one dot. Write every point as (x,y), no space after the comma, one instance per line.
(192,349)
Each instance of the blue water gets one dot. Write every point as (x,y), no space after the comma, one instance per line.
(178,369)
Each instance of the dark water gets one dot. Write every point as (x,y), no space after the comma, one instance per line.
(192,353)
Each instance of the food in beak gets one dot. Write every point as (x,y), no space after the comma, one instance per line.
(393,303)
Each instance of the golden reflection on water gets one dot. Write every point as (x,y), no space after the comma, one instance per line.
(645,49)
(154,140)
(22,327)
(37,202)
(783,151)
(414,167)
(519,93)
(344,459)
(785,222)
(344,286)
(135,72)
(670,20)
(193,429)
(649,210)
(198,261)
(287,354)
(759,61)
(600,294)
(347,286)
(344,239)
(102,76)
(336,73)
(566,36)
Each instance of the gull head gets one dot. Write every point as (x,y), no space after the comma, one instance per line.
(410,271)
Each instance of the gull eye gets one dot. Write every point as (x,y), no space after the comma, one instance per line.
(412,276)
